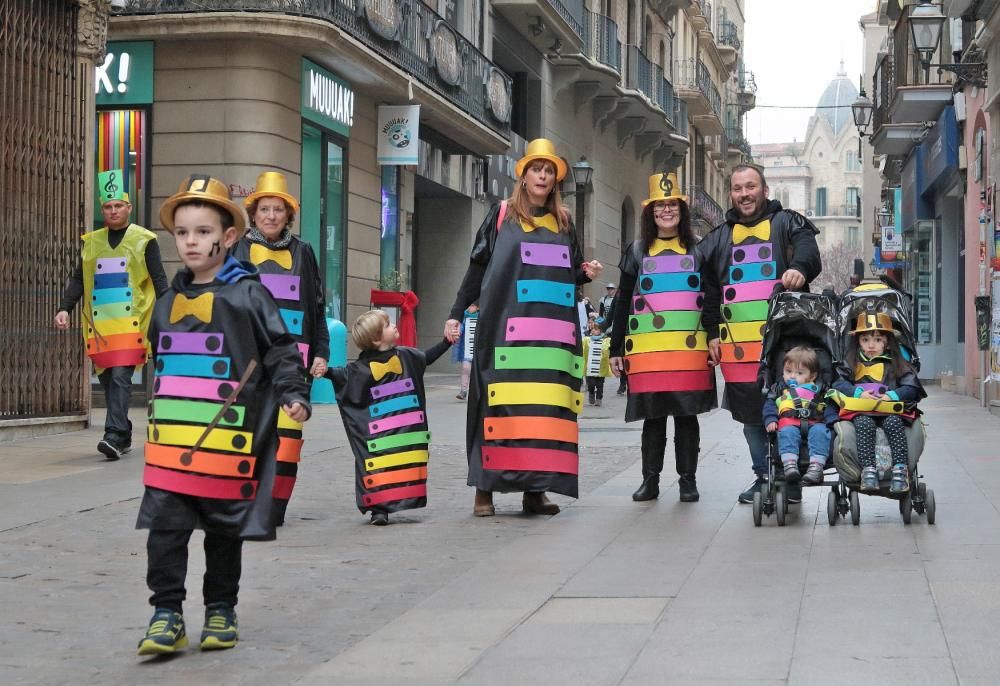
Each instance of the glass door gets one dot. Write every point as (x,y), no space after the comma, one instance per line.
(324,223)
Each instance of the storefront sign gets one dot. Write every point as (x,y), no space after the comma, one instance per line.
(125,75)
(326,99)
(444,52)
(398,133)
(384,17)
(913,206)
(940,153)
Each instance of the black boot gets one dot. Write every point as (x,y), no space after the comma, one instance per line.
(654,442)
(687,443)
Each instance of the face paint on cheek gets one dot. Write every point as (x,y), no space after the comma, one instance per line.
(216,249)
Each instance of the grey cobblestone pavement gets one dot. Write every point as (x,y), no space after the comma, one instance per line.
(607,592)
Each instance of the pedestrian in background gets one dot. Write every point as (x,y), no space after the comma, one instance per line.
(289,270)
(524,397)
(666,350)
(597,361)
(604,304)
(758,248)
(119,276)
(210,458)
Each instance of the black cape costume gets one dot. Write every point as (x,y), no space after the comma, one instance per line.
(204,337)
(291,274)
(741,266)
(657,328)
(384,408)
(524,394)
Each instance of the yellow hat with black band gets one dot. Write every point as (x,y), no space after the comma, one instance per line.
(272,184)
(541,149)
(202,188)
(873,321)
(664,186)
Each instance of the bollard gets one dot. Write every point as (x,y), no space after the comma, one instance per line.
(322,389)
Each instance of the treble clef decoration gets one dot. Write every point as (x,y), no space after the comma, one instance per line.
(111,187)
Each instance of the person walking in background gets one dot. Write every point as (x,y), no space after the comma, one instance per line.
(289,270)
(525,397)
(758,248)
(596,347)
(119,276)
(604,304)
(658,340)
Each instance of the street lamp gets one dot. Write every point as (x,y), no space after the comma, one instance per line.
(862,110)
(926,21)
(583,172)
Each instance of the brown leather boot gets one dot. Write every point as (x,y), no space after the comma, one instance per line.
(483,505)
(538,503)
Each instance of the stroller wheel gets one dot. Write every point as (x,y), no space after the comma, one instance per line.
(855,508)
(906,508)
(780,507)
(831,507)
(758,507)
(929,505)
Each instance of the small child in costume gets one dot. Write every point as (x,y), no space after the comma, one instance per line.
(795,401)
(595,381)
(225,364)
(875,370)
(461,352)
(384,408)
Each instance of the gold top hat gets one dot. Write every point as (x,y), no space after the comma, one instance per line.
(872,321)
(541,149)
(664,186)
(272,184)
(206,189)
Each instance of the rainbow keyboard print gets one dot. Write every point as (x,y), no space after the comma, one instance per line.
(751,277)
(118,340)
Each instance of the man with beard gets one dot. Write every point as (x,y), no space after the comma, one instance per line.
(759,248)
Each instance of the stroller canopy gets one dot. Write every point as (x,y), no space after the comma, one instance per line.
(879,298)
(795,318)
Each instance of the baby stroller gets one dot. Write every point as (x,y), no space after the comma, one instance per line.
(877,297)
(793,319)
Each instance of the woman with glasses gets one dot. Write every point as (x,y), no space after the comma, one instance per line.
(657,338)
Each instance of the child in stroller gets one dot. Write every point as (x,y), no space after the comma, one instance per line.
(796,411)
(877,387)
(806,324)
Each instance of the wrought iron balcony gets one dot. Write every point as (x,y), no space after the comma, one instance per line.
(639,74)
(409,34)
(704,207)
(736,139)
(600,40)
(727,35)
(694,84)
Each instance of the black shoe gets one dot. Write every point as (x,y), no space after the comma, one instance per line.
(688,489)
(597,402)
(220,630)
(592,400)
(380,518)
(164,635)
(793,492)
(900,480)
(746,497)
(109,449)
(621,391)
(649,490)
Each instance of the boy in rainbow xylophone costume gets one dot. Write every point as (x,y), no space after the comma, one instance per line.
(225,365)
(384,408)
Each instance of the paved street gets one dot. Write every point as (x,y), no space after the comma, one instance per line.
(607,592)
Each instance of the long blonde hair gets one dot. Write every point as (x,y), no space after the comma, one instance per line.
(520,206)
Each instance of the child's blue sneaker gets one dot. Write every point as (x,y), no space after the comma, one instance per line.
(164,635)
(869,480)
(900,480)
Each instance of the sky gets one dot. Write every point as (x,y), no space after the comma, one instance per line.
(794,48)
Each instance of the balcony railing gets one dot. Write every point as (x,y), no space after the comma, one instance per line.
(681,122)
(883,87)
(727,34)
(736,139)
(694,75)
(747,82)
(704,207)
(845,210)
(640,72)
(571,15)
(411,49)
(665,99)
(600,40)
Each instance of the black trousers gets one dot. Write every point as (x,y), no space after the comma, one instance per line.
(595,386)
(687,443)
(117,385)
(167,551)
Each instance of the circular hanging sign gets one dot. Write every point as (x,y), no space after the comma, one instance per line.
(384,17)
(444,49)
(498,95)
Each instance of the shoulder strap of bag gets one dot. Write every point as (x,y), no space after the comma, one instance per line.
(503,213)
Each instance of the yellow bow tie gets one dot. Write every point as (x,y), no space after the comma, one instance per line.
(200,307)
(760,231)
(260,254)
(873,371)
(393,365)
(545,221)
(661,244)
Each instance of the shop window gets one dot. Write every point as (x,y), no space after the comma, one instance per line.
(122,143)
(324,195)
(389,249)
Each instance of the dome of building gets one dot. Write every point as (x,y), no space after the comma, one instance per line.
(835,103)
